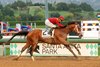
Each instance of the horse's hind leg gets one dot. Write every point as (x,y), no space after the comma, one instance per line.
(33,43)
(69,48)
(22,50)
(31,53)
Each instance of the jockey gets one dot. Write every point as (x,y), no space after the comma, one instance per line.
(54,22)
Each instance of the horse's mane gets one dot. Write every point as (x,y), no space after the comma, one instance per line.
(70,23)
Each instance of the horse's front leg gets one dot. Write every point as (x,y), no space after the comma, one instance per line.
(76,48)
(69,48)
(67,44)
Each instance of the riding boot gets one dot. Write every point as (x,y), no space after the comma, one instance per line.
(50,31)
(44,33)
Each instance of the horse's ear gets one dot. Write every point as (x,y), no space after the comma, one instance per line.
(77,22)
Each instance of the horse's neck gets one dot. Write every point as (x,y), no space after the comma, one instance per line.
(66,30)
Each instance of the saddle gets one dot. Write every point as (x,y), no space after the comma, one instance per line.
(48,34)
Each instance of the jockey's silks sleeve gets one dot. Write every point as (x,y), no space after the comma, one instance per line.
(55,21)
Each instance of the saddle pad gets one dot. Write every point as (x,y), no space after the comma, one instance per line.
(47,35)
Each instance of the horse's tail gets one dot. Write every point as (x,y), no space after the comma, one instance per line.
(19,33)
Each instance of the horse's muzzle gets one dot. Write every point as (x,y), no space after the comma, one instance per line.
(80,35)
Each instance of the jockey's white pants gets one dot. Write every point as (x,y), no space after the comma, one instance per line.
(49,24)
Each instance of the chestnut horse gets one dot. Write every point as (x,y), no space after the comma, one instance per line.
(60,35)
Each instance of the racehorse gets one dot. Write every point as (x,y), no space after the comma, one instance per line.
(60,35)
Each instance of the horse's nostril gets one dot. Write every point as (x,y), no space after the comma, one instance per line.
(80,35)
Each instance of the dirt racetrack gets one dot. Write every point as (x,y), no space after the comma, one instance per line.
(8,61)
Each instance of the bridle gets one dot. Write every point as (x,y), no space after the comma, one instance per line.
(76,29)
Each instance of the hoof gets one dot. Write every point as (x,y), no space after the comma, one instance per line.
(15,59)
(32,58)
(77,58)
(79,53)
